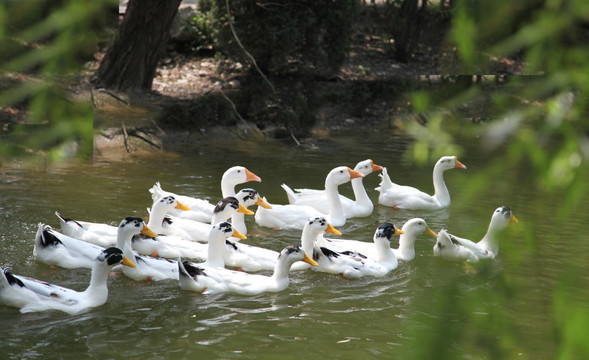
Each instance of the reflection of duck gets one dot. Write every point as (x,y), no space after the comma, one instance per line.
(488,246)
(407,197)
(295,216)
(447,247)
(216,280)
(33,295)
(406,250)
(202,210)
(360,207)
(346,263)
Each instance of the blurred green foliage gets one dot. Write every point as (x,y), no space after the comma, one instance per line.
(42,47)
(539,122)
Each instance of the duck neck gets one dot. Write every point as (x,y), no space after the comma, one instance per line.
(227,188)
(308,240)
(440,189)
(98,290)
(490,241)
(281,270)
(238,222)
(124,243)
(383,251)
(360,194)
(215,250)
(156,218)
(336,210)
(406,250)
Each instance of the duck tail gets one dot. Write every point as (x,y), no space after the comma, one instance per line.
(8,279)
(156,191)
(292,197)
(67,221)
(186,269)
(385,182)
(44,236)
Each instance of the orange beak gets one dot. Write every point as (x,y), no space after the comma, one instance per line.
(250,176)
(458,164)
(375,167)
(355,174)
(332,230)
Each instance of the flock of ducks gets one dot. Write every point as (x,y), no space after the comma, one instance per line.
(196,243)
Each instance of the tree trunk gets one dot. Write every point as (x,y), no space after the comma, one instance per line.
(131,61)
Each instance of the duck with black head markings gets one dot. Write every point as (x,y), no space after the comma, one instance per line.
(349,264)
(193,230)
(201,209)
(215,280)
(56,249)
(488,246)
(31,295)
(406,250)
(148,268)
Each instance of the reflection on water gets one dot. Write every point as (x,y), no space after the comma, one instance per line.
(322,315)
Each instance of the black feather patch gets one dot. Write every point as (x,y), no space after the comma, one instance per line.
(231,244)
(506,212)
(289,250)
(453,239)
(329,253)
(223,203)
(250,194)
(193,271)
(12,279)
(48,239)
(113,255)
(167,220)
(68,219)
(386,230)
(354,253)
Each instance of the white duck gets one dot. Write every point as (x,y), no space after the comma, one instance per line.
(148,268)
(214,280)
(202,210)
(32,295)
(406,250)
(360,207)
(407,197)
(104,234)
(225,252)
(100,234)
(488,246)
(57,249)
(296,216)
(347,263)
(194,230)
(247,197)
(447,247)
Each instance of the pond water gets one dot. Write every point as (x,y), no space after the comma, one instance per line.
(426,308)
